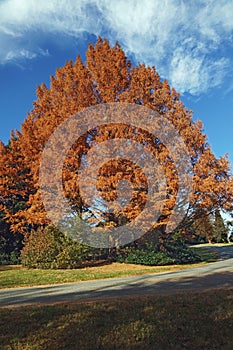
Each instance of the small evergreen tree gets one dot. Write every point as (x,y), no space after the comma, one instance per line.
(204,227)
(220,230)
(10,243)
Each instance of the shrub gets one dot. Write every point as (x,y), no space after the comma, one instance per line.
(173,253)
(144,257)
(49,248)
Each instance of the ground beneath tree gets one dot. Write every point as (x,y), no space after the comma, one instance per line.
(213,275)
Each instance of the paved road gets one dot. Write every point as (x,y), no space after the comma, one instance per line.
(213,275)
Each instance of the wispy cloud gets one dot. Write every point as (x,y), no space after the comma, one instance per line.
(190,43)
(15,48)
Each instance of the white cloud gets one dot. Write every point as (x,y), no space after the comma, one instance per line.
(12,55)
(192,69)
(186,41)
(18,50)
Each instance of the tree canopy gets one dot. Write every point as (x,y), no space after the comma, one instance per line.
(108,76)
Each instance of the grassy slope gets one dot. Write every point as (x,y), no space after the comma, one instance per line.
(20,277)
(183,321)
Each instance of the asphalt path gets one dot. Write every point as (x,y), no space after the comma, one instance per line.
(213,275)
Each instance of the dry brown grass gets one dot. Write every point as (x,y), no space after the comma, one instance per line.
(173,322)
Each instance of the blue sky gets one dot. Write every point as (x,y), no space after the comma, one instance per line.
(189,43)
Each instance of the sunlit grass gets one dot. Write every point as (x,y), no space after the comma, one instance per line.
(217,244)
(19,277)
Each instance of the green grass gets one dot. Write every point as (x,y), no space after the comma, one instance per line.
(207,255)
(16,276)
(177,322)
(217,244)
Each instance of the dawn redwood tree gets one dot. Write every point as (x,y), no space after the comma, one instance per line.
(15,183)
(108,76)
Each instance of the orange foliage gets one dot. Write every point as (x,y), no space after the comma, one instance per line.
(107,76)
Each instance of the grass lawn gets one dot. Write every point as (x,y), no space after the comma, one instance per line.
(16,276)
(206,254)
(183,321)
(217,245)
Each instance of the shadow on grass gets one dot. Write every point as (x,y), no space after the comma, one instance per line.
(95,263)
(193,320)
(10,267)
(225,252)
(182,310)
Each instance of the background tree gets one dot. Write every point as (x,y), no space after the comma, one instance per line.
(204,226)
(220,229)
(229,225)
(11,201)
(10,243)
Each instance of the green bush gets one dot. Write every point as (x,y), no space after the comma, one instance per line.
(173,253)
(47,248)
(144,257)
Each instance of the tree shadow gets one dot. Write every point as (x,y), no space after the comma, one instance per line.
(162,319)
(224,252)
(10,267)
(94,263)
